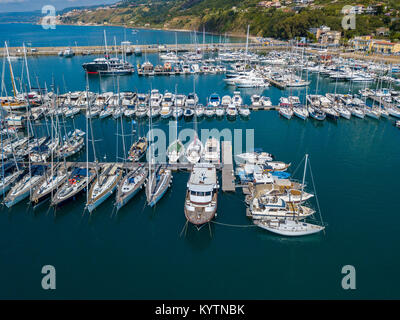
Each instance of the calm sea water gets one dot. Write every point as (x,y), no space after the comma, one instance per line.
(63,35)
(140,253)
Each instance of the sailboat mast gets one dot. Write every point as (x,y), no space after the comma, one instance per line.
(11,71)
(150,151)
(87,139)
(247,43)
(115,46)
(105,42)
(304,177)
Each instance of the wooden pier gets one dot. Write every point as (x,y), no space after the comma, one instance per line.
(254,108)
(228,175)
(278,84)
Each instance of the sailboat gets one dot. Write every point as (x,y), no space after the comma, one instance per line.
(291,225)
(176,150)
(104,186)
(78,180)
(287,227)
(23,188)
(159,179)
(10,173)
(49,185)
(130,185)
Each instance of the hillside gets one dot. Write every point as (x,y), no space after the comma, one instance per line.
(285,22)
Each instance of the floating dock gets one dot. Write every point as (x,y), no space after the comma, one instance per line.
(228,175)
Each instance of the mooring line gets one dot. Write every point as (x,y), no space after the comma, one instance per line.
(235,225)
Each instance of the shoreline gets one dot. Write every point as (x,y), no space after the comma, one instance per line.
(228,34)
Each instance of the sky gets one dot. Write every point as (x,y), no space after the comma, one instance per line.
(31,5)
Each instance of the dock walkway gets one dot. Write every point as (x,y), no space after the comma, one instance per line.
(228,175)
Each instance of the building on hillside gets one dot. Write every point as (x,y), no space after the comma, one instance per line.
(386,47)
(382,32)
(269,4)
(361,43)
(325,36)
(368,44)
(357,9)
(330,38)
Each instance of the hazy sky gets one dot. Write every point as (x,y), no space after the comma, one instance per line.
(31,5)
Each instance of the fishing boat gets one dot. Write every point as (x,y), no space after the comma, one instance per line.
(79,179)
(211,152)
(130,185)
(288,227)
(25,186)
(138,149)
(104,186)
(158,183)
(202,194)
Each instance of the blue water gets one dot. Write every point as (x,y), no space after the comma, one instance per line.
(63,35)
(140,253)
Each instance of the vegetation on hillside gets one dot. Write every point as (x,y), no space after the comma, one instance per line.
(221,16)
